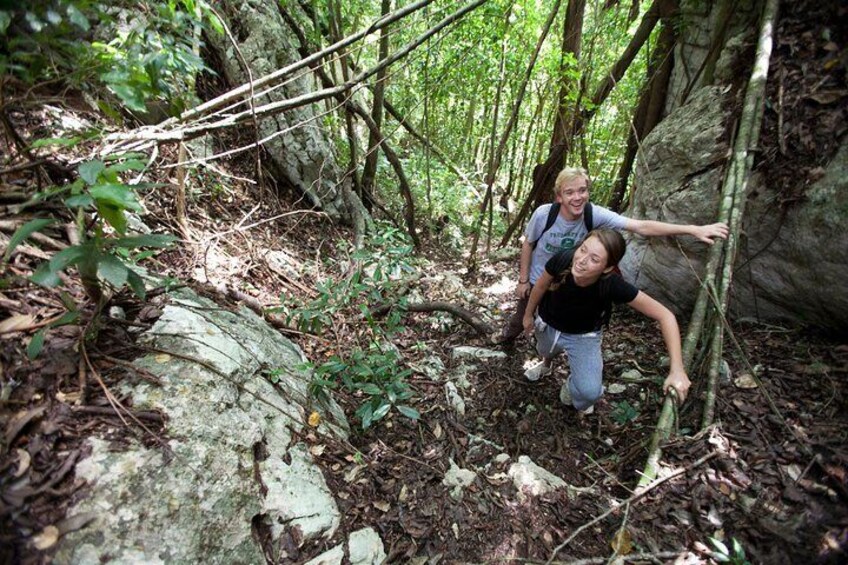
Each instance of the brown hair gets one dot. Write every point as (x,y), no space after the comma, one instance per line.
(613,242)
(568,174)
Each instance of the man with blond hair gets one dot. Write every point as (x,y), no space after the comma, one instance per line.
(565,223)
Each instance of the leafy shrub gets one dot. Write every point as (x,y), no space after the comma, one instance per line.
(105,248)
(624,412)
(373,368)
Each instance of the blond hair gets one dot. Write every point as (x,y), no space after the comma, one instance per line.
(570,173)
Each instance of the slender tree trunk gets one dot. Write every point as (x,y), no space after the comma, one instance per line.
(353,144)
(497,153)
(370,168)
(353,107)
(648,111)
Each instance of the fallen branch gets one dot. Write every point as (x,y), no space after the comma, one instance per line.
(639,495)
(464,315)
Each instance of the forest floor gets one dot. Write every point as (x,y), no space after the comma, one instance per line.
(776,482)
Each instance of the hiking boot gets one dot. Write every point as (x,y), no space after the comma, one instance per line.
(537,371)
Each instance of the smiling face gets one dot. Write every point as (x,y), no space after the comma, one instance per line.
(572,194)
(590,262)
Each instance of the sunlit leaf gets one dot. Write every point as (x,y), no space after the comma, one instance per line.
(115,194)
(411,413)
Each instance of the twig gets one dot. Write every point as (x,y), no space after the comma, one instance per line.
(468,317)
(639,495)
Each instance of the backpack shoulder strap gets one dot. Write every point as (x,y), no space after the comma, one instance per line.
(587,216)
(549,221)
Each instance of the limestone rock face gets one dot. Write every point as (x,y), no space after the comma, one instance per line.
(302,149)
(791,265)
(230,465)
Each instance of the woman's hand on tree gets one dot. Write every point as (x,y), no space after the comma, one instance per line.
(528,325)
(679,382)
(522,290)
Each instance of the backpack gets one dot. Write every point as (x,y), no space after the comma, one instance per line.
(554,212)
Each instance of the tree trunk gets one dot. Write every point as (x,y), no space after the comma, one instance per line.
(370,168)
(648,111)
(353,144)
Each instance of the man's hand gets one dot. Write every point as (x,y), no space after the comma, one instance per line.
(522,290)
(679,382)
(710,232)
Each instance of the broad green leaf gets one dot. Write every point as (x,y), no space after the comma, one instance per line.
(112,270)
(24,232)
(150,240)
(44,276)
(136,284)
(90,170)
(115,194)
(36,344)
(366,414)
(79,201)
(132,97)
(409,412)
(114,216)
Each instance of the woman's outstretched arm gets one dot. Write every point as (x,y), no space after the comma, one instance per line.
(677,377)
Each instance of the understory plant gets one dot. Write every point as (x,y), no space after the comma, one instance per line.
(372,368)
(99,202)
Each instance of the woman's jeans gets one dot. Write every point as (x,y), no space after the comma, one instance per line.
(584,360)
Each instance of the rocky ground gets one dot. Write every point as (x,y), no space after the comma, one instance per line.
(774,477)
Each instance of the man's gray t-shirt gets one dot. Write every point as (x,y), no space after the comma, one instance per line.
(563,234)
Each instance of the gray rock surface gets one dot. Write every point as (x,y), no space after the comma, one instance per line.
(229,463)
(791,264)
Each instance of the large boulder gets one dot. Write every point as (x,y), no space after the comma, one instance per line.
(231,469)
(791,261)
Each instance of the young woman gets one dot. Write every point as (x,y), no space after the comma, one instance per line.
(583,288)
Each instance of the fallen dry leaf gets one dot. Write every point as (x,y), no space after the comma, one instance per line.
(317,450)
(24,461)
(17,323)
(314,419)
(162,358)
(46,538)
(745,381)
(382,506)
(622,542)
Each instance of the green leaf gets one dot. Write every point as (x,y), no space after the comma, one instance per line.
(24,232)
(132,97)
(130,165)
(113,270)
(366,414)
(60,141)
(36,344)
(114,216)
(90,170)
(136,284)
(67,318)
(115,194)
(369,388)
(382,410)
(44,276)
(69,256)
(79,201)
(5,20)
(409,412)
(150,240)
(77,18)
